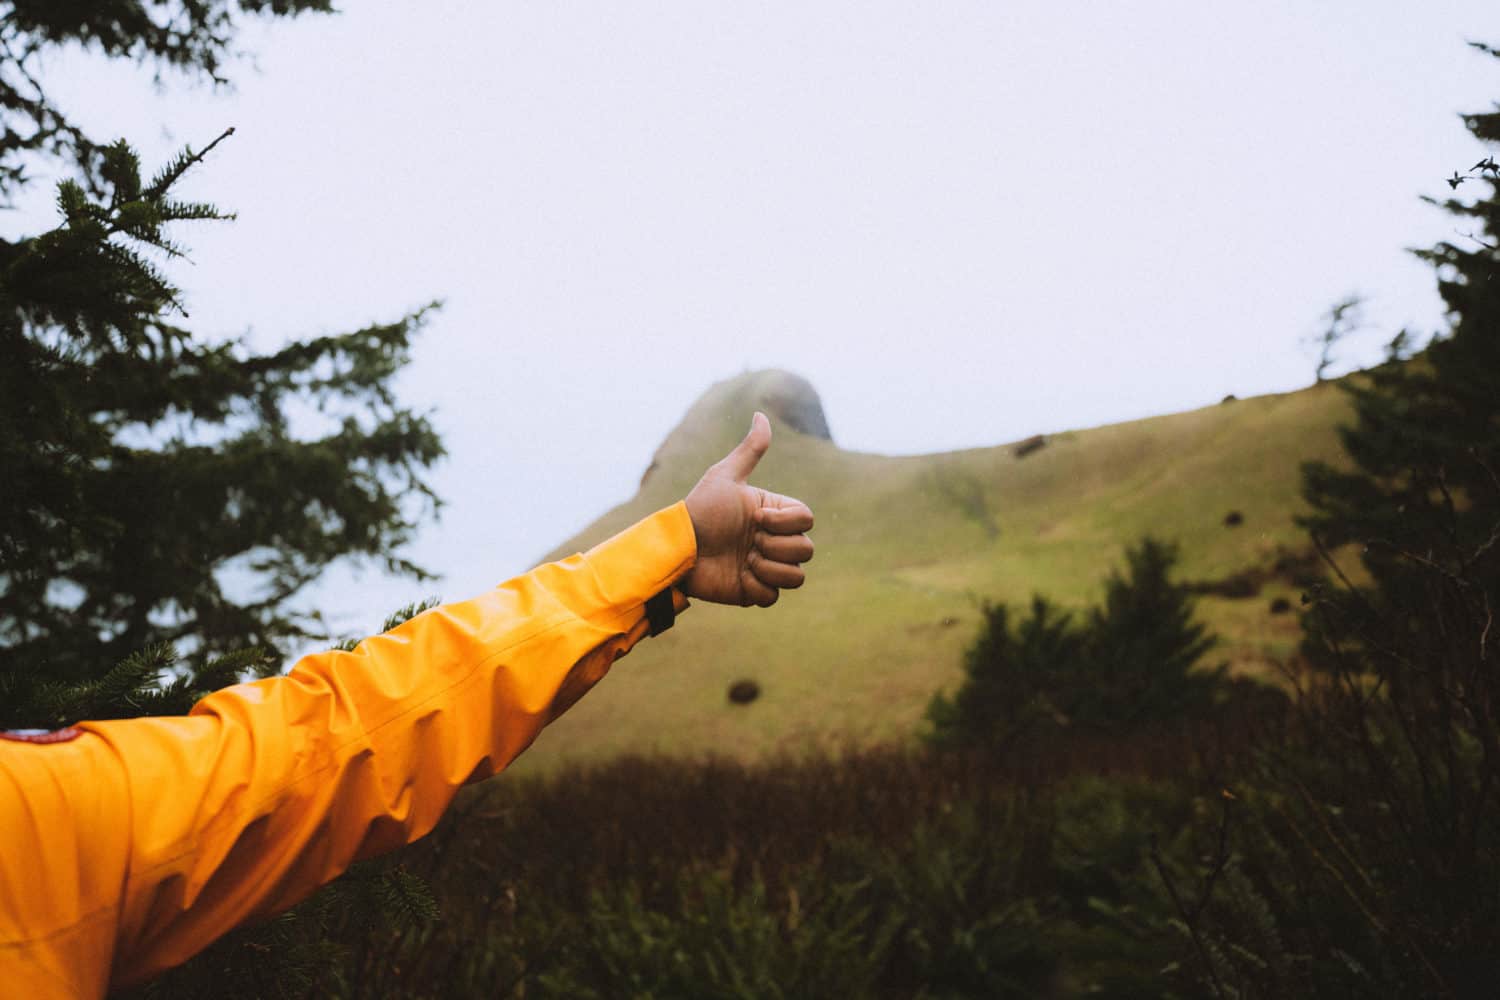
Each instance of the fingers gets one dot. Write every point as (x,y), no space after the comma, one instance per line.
(756,592)
(784,548)
(773,563)
(784,516)
(740,462)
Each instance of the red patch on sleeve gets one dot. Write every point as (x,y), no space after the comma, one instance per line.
(41,735)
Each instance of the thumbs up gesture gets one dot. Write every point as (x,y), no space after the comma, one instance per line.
(751,543)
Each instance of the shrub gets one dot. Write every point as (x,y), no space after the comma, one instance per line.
(1145,646)
(1010,678)
(743,692)
(1130,662)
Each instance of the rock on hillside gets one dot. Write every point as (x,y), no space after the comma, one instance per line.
(792,400)
(720,416)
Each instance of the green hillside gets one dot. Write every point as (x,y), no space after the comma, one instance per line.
(907,547)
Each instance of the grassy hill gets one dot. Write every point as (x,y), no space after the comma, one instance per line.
(908,547)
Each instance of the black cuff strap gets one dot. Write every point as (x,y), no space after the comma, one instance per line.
(661,612)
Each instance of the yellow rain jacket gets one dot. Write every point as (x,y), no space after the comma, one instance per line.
(130,846)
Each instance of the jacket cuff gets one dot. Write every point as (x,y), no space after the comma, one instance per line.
(644,559)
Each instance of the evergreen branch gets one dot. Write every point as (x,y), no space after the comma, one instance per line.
(409,897)
(405,614)
(1221,857)
(19,62)
(192,211)
(1484,548)
(1489,621)
(184,162)
(1368,610)
(1334,839)
(136,672)
(224,670)
(1488,469)
(1423,561)
(1476,239)
(1187,919)
(1331,869)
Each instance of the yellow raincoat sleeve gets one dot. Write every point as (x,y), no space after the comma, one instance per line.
(130,848)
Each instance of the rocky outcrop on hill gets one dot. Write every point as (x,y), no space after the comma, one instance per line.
(718,418)
(793,401)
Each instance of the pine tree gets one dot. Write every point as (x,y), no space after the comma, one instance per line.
(1011,677)
(142,465)
(1131,662)
(138,463)
(1380,846)
(1425,445)
(1145,645)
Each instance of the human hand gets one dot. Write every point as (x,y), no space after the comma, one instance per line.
(751,542)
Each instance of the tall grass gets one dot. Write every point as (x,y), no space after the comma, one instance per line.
(877,872)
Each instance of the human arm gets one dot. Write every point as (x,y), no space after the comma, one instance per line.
(131,847)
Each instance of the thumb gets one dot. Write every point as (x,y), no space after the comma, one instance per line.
(740,462)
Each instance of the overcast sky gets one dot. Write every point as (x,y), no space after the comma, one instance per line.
(963,222)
